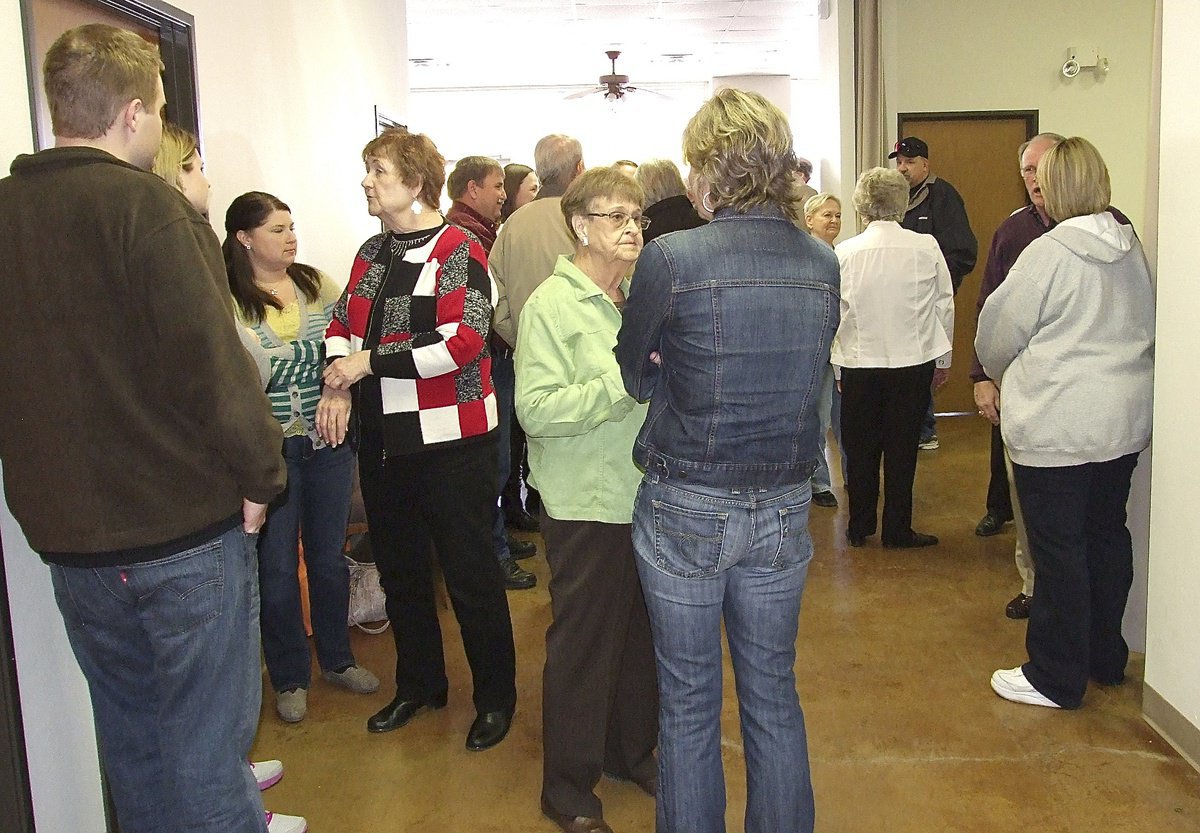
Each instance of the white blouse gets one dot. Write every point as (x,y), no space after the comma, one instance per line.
(897,300)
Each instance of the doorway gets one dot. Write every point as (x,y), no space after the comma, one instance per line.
(976,152)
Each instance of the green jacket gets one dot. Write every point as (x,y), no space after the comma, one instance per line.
(571,401)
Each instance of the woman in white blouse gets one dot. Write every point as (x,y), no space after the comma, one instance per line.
(894,341)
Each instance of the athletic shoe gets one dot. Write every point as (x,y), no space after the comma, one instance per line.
(267,773)
(356,678)
(278,823)
(1010,683)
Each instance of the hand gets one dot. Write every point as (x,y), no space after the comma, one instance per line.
(333,415)
(987,399)
(254,515)
(656,357)
(344,372)
(940,376)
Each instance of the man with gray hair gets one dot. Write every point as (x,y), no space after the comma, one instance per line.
(1012,236)
(530,242)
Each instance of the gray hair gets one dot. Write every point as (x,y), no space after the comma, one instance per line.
(556,158)
(1053,137)
(881,194)
(660,179)
(814,203)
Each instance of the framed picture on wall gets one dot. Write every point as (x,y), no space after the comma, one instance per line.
(167,27)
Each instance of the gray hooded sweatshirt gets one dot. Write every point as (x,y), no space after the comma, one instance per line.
(1070,336)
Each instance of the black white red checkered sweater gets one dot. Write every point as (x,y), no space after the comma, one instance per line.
(422,304)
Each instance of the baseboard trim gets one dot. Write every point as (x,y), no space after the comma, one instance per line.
(1175,729)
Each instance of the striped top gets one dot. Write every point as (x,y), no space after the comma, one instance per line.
(293,338)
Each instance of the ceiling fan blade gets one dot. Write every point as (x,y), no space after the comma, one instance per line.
(583,93)
(644,90)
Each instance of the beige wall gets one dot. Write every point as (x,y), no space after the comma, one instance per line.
(984,55)
(1173,649)
(286,101)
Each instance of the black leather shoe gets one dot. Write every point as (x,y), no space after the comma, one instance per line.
(515,517)
(826,499)
(521,549)
(989,525)
(514,577)
(488,729)
(1018,608)
(918,539)
(856,540)
(398,712)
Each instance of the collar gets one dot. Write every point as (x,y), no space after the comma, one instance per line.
(768,210)
(1037,218)
(583,286)
(460,207)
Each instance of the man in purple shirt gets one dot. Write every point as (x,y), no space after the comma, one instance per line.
(1020,229)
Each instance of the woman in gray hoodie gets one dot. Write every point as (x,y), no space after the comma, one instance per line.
(1070,334)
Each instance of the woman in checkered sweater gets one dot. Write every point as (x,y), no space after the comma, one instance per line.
(407,347)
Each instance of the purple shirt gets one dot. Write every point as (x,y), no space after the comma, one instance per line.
(1012,236)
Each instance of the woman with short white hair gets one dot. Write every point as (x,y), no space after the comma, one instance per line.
(897,325)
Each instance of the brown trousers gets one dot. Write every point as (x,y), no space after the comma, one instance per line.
(599,689)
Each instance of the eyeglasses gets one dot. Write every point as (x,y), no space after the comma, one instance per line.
(620,218)
(1029,170)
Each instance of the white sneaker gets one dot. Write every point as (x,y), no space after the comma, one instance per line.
(1010,683)
(277,823)
(930,444)
(267,773)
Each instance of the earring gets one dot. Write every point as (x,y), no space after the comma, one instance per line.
(247,245)
(583,239)
(704,203)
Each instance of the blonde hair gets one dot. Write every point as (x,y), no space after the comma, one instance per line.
(1074,180)
(415,158)
(814,203)
(660,179)
(91,72)
(742,145)
(175,155)
(881,194)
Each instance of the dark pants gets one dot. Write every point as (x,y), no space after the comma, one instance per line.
(999,499)
(599,691)
(504,383)
(881,417)
(1075,517)
(444,496)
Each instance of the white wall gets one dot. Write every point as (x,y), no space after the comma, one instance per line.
(984,55)
(286,100)
(1173,621)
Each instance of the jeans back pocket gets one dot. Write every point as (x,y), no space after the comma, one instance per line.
(688,542)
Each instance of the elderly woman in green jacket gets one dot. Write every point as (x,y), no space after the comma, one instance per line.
(599,700)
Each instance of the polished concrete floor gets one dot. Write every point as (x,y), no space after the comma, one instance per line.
(894,655)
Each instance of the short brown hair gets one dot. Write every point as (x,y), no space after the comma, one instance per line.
(595,184)
(93,71)
(742,144)
(178,146)
(415,158)
(1074,180)
(470,169)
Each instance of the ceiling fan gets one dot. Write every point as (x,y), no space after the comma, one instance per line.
(613,87)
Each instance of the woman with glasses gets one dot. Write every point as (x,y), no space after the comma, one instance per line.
(598,690)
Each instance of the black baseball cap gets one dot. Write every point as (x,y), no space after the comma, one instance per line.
(911,147)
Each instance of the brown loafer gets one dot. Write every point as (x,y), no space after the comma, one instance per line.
(575,824)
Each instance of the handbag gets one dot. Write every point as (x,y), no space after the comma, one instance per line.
(366,597)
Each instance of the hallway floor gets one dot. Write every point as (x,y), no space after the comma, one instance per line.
(894,655)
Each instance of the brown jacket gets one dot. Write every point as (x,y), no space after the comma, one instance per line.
(526,250)
(131,416)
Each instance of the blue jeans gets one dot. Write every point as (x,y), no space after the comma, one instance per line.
(505,383)
(170,652)
(314,506)
(829,410)
(704,553)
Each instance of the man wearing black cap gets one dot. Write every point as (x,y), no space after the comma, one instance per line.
(934,207)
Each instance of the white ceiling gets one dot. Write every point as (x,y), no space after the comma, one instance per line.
(560,43)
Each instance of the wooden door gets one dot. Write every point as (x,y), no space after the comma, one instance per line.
(977,154)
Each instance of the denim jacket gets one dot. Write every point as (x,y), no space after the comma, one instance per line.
(742,312)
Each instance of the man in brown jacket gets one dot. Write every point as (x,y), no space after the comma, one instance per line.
(139,451)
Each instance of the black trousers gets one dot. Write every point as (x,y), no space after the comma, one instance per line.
(599,687)
(1075,518)
(999,499)
(882,409)
(445,497)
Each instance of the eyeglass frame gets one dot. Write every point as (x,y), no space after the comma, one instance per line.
(641,220)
